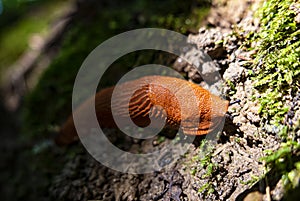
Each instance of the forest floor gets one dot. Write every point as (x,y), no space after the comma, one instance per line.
(228,168)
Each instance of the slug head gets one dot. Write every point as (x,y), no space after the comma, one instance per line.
(211,116)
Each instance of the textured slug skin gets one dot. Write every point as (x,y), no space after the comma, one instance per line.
(155,93)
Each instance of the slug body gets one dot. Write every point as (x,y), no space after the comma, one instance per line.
(160,97)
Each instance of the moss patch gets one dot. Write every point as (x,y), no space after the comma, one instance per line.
(277,64)
(277,76)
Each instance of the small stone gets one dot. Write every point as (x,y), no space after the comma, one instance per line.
(253,118)
(256,195)
(254,109)
(240,119)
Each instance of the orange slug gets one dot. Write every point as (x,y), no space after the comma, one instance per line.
(157,97)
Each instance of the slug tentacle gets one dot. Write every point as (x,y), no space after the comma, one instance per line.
(157,97)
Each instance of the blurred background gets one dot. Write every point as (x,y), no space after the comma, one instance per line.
(42,45)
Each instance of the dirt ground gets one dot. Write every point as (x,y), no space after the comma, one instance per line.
(235,156)
(227,168)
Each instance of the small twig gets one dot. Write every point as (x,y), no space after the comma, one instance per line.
(234,102)
(268,189)
(268,193)
(169,183)
(245,58)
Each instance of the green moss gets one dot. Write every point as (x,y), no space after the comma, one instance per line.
(50,101)
(277,61)
(202,161)
(254,179)
(285,162)
(206,188)
(276,72)
(232,87)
